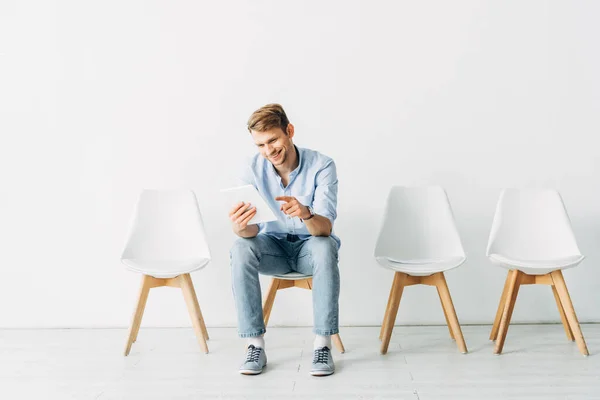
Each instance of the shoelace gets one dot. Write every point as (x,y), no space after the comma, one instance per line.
(253,353)
(321,356)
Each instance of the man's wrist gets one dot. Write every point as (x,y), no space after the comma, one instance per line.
(309,212)
(248,231)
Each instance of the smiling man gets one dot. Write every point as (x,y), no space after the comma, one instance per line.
(302,184)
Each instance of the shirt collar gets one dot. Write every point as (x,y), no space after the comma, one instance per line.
(299,167)
(295,172)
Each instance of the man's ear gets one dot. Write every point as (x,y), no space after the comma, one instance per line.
(290,131)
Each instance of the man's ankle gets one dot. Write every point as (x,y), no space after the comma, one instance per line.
(257,341)
(322,341)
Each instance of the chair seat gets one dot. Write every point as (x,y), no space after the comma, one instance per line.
(292,276)
(416,268)
(165,268)
(536,267)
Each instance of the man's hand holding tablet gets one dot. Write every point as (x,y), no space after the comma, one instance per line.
(249,209)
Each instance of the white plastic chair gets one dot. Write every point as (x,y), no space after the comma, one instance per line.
(419,241)
(531,236)
(166,243)
(292,279)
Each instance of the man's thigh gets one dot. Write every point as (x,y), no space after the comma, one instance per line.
(273,254)
(322,248)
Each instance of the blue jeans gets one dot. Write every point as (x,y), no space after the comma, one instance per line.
(268,255)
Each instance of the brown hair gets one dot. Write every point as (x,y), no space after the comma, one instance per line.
(268,117)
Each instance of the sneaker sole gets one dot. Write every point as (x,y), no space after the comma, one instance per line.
(321,373)
(251,371)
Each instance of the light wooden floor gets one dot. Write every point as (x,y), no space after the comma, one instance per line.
(422,363)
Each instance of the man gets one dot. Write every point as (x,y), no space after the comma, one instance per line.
(302,184)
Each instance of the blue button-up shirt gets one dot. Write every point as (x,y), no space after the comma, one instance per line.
(313,183)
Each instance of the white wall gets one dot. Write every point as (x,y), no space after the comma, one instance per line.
(101,99)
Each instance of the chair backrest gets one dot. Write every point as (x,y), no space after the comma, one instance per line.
(532,224)
(167,225)
(418,226)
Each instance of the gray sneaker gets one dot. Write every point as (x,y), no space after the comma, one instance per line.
(256,360)
(322,363)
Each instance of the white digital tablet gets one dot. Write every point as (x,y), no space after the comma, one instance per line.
(249,194)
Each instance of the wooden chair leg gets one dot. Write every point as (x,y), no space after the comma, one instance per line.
(337,342)
(496,326)
(189,295)
(445,314)
(387,308)
(143,308)
(397,289)
(448,306)
(565,300)
(511,298)
(563,317)
(188,279)
(270,299)
(309,283)
(138,313)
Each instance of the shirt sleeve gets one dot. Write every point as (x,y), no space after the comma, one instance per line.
(325,201)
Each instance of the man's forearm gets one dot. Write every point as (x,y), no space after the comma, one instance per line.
(318,226)
(249,232)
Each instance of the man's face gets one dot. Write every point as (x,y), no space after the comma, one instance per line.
(274,144)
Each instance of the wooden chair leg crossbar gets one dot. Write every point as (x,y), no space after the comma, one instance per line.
(401,280)
(555,279)
(279,284)
(184,282)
